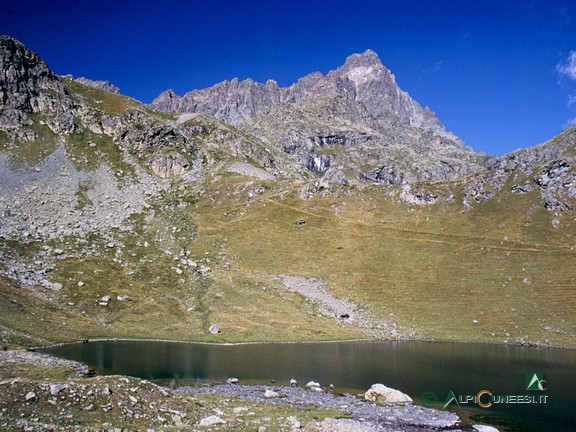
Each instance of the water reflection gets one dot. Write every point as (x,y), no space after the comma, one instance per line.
(413,367)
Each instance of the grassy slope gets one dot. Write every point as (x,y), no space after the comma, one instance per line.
(433,269)
(496,272)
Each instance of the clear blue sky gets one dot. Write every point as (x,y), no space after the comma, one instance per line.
(499,74)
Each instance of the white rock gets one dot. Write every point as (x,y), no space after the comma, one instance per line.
(212,420)
(232,380)
(30,395)
(56,286)
(381,394)
(205,270)
(80,284)
(293,382)
(123,298)
(214,329)
(294,422)
(57,388)
(106,298)
(484,428)
(312,384)
(239,410)
(269,394)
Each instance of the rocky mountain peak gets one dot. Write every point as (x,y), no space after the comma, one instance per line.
(27,85)
(366,59)
(168,100)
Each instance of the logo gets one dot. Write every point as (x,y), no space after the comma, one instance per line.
(485,398)
(450,398)
(429,399)
(535,381)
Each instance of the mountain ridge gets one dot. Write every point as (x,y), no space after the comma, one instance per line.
(355,80)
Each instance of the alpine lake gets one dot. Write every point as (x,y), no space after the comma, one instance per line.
(523,388)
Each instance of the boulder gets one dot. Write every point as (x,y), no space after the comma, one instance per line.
(214,329)
(57,388)
(169,165)
(269,394)
(312,384)
(383,395)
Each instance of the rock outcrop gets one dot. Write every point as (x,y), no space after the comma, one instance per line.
(28,86)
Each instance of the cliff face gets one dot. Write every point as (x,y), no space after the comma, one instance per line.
(27,86)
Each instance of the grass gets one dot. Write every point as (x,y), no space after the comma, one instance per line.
(110,102)
(27,154)
(478,275)
(434,269)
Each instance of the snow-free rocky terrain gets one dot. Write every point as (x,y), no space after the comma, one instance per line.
(335,208)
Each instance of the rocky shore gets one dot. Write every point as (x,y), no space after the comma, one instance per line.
(356,414)
(40,392)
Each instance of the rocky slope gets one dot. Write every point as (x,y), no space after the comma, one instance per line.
(335,208)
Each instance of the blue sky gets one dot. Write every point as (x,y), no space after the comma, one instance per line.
(499,74)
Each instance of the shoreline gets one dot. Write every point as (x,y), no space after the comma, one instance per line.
(324,341)
(355,410)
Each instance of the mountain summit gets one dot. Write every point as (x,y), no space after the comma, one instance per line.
(327,122)
(363,78)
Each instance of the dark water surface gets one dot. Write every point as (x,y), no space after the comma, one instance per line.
(412,367)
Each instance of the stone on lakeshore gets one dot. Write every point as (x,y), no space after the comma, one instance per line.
(383,395)
(484,428)
(269,394)
(214,329)
(232,380)
(312,384)
(293,383)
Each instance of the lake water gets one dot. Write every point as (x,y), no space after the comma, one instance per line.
(412,367)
